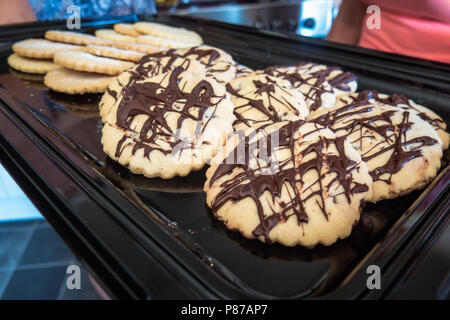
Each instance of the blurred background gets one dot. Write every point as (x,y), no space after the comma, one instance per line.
(312,18)
(415,28)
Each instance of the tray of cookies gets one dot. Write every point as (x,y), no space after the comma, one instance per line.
(227,162)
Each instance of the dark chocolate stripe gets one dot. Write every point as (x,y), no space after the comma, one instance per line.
(251,183)
(345,121)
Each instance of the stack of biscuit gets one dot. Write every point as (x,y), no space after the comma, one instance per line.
(78,63)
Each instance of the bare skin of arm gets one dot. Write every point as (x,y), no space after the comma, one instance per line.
(16,11)
(347,25)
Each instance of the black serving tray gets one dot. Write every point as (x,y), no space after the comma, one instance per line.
(153,238)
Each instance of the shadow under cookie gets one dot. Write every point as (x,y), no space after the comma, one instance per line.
(85,105)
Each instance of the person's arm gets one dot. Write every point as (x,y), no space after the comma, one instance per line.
(347,25)
(16,11)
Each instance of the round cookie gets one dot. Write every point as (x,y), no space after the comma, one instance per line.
(168,125)
(307,189)
(112,35)
(144,70)
(402,151)
(75,82)
(168,32)
(126,29)
(341,81)
(28,77)
(75,38)
(149,66)
(317,91)
(261,99)
(115,53)
(401,101)
(42,48)
(83,61)
(144,48)
(163,42)
(216,63)
(219,64)
(31,65)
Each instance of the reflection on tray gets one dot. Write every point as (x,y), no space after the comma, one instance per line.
(31,80)
(180,203)
(127,180)
(192,221)
(81,104)
(85,105)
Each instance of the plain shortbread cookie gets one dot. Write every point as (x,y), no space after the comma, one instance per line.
(31,65)
(127,29)
(112,35)
(168,32)
(83,61)
(115,53)
(163,42)
(75,82)
(42,48)
(75,38)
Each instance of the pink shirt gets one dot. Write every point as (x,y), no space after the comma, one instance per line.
(419,28)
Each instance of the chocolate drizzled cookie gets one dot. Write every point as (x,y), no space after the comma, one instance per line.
(341,81)
(209,61)
(218,64)
(402,151)
(262,99)
(290,182)
(316,89)
(400,101)
(165,125)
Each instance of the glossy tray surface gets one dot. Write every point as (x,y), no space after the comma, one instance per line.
(251,268)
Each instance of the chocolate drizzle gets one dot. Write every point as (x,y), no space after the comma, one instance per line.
(112,93)
(396,100)
(339,81)
(242,70)
(317,84)
(288,176)
(357,117)
(161,62)
(401,101)
(264,86)
(154,100)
